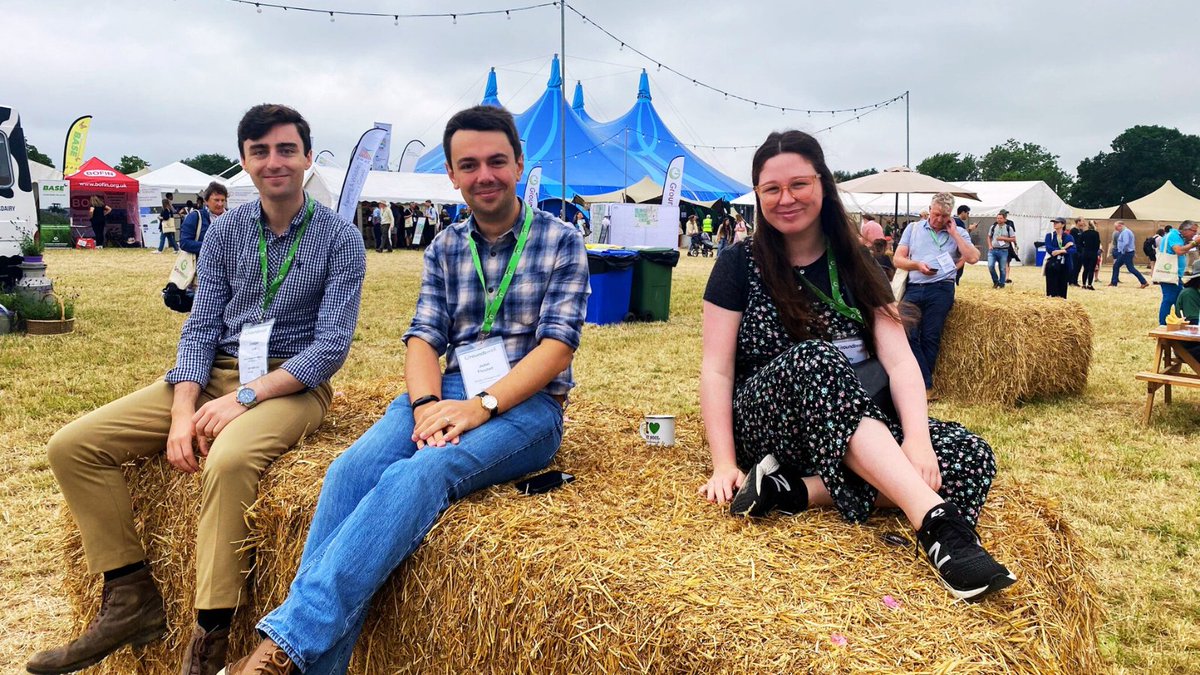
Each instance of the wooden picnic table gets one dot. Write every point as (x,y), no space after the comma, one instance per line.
(1170,357)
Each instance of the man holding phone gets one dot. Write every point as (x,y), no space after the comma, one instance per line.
(930,251)
(503,297)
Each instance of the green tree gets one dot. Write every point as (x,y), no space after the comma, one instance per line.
(1024,161)
(130,164)
(949,166)
(211,163)
(37,155)
(1142,158)
(840,176)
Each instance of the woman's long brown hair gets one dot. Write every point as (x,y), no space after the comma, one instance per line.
(856,269)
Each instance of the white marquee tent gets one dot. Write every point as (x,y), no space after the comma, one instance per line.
(324,183)
(40,172)
(178,178)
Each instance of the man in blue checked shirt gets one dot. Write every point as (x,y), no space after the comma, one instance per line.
(276,304)
(503,297)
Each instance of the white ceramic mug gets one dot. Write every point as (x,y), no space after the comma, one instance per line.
(658,429)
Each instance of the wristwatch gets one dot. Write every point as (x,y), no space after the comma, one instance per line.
(247,397)
(489,403)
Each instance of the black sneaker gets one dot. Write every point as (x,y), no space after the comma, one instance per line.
(767,488)
(953,548)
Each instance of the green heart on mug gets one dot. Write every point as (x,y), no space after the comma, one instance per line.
(654,427)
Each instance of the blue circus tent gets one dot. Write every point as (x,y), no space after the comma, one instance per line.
(642,136)
(491,95)
(601,157)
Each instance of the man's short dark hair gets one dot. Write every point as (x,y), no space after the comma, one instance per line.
(483,118)
(214,188)
(259,120)
(963,208)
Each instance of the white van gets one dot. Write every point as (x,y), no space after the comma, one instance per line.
(18,212)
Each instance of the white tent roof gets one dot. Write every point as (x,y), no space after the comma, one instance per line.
(41,172)
(325,184)
(177,177)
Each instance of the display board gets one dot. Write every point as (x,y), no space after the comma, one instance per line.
(635,225)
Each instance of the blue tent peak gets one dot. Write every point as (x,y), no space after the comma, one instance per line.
(555,76)
(491,95)
(644,86)
(577,100)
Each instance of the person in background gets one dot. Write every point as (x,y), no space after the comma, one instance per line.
(1178,242)
(786,316)
(999,237)
(443,219)
(929,252)
(195,225)
(870,230)
(724,234)
(1076,257)
(706,223)
(1123,254)
(740,229)
(97,212)
(1057,265)
(1089,254)
(581,224)
(879,251)
(962,218)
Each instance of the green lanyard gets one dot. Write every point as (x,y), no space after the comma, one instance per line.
(271,286)
(937,243)
(495,300)
(836,301)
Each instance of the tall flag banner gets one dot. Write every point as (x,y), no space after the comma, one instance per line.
(385,148)
(673,183)
(356,176)
(533,185)
(76,144)
(408,160)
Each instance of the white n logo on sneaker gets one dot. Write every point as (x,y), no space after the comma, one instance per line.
(933,554)
(781,483)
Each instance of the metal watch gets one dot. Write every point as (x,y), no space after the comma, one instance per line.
(247,397)
(489,403)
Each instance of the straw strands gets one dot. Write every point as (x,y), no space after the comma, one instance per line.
(628,570)
(1008,348)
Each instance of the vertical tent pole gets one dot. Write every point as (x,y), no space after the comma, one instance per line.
(562,121)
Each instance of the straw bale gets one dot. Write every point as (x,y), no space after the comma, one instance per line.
(1013,347)
(628,570)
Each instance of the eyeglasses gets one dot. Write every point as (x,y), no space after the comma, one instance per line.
(800,187)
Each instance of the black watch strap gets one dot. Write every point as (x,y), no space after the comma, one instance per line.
(431,398)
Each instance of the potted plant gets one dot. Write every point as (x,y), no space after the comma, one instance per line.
(46,315)
(31,249)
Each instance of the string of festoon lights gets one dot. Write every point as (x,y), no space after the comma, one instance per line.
(859,111)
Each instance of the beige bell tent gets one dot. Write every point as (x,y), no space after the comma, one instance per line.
(1167,203)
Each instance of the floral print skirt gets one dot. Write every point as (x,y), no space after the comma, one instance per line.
(805,405)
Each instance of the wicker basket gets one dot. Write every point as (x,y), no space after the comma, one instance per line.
(53,326)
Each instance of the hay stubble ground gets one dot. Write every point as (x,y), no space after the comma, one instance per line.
(1130,491)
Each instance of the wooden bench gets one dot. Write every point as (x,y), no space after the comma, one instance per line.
(1170,357)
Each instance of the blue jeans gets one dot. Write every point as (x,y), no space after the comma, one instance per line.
(1170,293)
(379,501)
(167,237)
(998,256)
(934,300)
(1125,260)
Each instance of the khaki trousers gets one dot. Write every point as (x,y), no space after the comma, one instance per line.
(87,454)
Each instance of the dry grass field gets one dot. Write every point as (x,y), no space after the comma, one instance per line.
(1132,493)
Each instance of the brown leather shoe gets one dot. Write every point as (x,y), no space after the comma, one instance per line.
(268,659)
(131,613)
(206,652)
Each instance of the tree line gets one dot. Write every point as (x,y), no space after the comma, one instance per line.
(1141,159)
(211,163)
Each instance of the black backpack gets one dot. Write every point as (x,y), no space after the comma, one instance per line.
(1148,246)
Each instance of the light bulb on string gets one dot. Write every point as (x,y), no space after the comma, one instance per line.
(622,48)
(396,20)
(258,7)
(454,19)
(331,19)
(660,67)
(507,15)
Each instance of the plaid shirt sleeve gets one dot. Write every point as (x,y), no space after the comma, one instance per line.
(337,316)
(202,330)
(431,320)
(565,303)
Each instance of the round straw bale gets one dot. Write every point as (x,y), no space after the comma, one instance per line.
(626,569)
(1012,347)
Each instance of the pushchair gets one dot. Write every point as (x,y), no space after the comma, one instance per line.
(702,245)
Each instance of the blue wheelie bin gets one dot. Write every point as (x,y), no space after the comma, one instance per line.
(611,279)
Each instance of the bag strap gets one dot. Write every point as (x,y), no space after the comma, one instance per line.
(200,222)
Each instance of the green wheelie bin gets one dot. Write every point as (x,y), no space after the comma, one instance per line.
(650,298)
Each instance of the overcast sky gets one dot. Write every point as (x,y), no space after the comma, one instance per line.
(167,79)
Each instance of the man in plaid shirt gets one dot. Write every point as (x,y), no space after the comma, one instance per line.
(503,296)
(277,301)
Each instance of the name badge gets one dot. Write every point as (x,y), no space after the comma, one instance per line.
(253,350)
(853,349)
(482,364)
(944,263)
